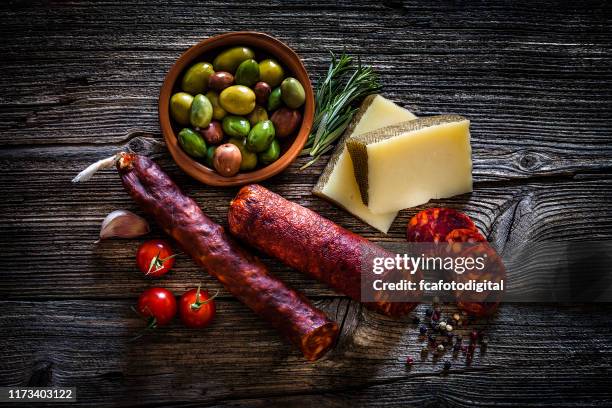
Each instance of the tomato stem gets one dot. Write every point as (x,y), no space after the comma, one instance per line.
(197,304)
(158,263)
(152,324)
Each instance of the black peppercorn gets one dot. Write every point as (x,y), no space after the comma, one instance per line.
(484,342)
(447,365)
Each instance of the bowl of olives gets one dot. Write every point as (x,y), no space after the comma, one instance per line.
(236,108)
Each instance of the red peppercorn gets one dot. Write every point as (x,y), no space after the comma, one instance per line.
(473,336)
(409,361)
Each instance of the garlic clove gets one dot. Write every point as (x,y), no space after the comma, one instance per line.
(123,224)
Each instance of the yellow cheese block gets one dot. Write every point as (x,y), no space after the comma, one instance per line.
(337,183)
(408,164)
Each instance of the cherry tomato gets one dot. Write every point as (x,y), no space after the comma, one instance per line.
(197,308)
(159,304)
(155,257)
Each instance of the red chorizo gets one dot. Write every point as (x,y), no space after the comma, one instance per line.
(441,225)
(304,240)
(434,224)
(243,275)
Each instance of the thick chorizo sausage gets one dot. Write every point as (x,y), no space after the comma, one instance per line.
(243,275)
(308,242)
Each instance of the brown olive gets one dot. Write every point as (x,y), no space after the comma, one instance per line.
(227,159)
(286,121)
(213,133)
(220,80)
(262,92)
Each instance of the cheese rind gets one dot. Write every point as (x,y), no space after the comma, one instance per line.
(408,164)
(337,183)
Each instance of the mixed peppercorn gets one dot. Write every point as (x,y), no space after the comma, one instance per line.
(441,336)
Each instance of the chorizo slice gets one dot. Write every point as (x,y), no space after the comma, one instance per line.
(464,235)
(445,225)
(434,224)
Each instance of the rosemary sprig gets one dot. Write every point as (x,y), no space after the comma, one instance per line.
(335,102)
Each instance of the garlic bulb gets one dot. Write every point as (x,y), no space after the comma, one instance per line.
(123,224)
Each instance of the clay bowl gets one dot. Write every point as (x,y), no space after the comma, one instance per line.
(264,46)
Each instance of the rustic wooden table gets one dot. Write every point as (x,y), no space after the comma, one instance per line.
(80,81)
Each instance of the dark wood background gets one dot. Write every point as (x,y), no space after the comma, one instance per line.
(80,81)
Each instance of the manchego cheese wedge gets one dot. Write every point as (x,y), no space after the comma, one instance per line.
(408,164)
(338,183)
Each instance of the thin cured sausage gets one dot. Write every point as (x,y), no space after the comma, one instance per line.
(243,275)
(308,242)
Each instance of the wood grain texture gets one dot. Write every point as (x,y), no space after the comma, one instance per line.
(241,361)
(66,223)
(80,81)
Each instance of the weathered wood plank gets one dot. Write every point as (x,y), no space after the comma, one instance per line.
(527,74)
(80,80)
(49,225)
(547,351)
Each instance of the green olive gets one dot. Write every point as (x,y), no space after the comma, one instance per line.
(230,59)
(247,73)
(271,154)
(201,111)
(195,79)
(292,93)
(271,72)
(237,99)
(260,136)
(218,112)
(192,143)
(259,114)
(180,106)
(236,126)
(274,100)
(249,159)
(210,153)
